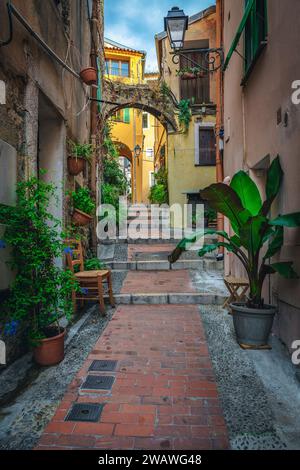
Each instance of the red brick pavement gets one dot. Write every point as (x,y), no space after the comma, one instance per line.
(164,395)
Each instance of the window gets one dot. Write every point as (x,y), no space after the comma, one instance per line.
(117,68)
(145,120)
(122,115)
(149,153)
(255,32)
(195,89)
(206,150)
(126,115)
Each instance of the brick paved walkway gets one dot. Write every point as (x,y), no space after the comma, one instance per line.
(164,395)
(156,282)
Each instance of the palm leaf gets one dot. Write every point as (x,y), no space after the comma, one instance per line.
(247,191)
(274,180)
(285,269)
(287,220)
(275,244)
(225,200)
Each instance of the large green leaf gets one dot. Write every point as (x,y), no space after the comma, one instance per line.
(285,269)
(252,233)
(274,179)
(185,242)
(275,244)
(225,200)
(288,220)
(247,191)
(209,248)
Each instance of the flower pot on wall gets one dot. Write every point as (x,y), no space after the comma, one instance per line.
(80,218)
(188,76)
(89,76)
(50,351)
(75,165)
(252,325)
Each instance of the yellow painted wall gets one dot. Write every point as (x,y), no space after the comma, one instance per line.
(183,175)
(132,133)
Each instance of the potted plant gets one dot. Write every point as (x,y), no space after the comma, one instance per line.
(41,292)
(89,75)
(84,206)
(253,230)
(79,154)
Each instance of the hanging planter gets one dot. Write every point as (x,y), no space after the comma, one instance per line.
(89,76)
(188,76)
(83,205)
(80,153)
(81,218)
(75,165)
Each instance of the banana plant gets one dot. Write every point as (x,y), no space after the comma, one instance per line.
(249,217)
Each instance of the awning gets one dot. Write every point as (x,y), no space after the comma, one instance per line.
(238,33)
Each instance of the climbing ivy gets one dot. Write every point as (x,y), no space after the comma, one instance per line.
(185,114)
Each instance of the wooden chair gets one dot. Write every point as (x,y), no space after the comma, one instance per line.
(91,282)
(237,288)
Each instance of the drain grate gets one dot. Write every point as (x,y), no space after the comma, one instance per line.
(103,366)
(89,412)
(98,382)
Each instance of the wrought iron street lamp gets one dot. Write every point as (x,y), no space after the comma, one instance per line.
(176,25)
(137,151)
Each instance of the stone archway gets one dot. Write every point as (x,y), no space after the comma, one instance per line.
(125,152)
(154,98)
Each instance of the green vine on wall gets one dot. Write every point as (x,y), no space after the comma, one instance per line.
(185,114)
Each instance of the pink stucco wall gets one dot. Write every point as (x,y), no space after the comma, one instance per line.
(252,134)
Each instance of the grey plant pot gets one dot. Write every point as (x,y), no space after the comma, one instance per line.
(252,325)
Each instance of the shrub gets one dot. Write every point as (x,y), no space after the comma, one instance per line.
(82,200)
(41,291)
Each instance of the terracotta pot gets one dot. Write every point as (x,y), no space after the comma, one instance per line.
(80,218)
(50,351)
(75,165)
(89,76)
(188,76)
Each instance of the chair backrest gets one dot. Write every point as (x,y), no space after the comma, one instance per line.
(74,254)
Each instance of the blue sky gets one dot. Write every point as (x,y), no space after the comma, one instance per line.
(135,22)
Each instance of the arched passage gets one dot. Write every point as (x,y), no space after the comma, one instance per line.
(155,99)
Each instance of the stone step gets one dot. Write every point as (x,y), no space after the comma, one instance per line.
(169,298)
(200,264)
(149,241)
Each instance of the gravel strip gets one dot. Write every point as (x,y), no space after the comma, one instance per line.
(247,409)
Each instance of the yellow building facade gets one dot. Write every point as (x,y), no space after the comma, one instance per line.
(132,127)
(191,153)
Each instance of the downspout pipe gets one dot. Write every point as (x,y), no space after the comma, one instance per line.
(220,118)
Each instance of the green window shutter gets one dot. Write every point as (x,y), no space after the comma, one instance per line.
(256,29)
(126,115)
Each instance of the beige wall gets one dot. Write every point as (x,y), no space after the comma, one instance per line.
(255,134)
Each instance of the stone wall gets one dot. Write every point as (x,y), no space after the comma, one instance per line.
(41,94)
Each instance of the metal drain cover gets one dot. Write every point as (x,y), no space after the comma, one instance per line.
(85,412)
(103,365)
(98,382)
